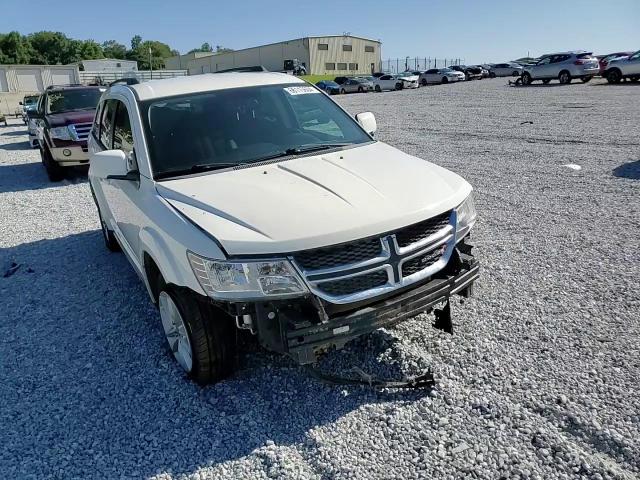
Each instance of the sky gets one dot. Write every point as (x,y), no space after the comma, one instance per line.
(473,30)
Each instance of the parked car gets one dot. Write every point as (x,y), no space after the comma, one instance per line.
(564,66)
(255,222)
(380,74)
(63,119)
(409,80)
(505,70)
(29,103)
(624,67)
(484,72)
(327,86)
(473,72)
(353,85)
(341,80)
(387,82)
(441,75)
(3,119)
(605,59)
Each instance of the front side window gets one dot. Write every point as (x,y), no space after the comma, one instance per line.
(635,56)
(122,135)
(72,100)
(106,123)
(243,125)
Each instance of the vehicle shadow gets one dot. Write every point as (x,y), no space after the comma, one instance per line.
(628,170)
(85,372)
(22,145)
(32,176)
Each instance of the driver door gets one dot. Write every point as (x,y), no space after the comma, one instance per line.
(542,69)
(123,196)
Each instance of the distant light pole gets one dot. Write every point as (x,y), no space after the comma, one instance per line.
(150,64)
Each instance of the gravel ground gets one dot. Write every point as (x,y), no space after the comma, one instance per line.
(540,380)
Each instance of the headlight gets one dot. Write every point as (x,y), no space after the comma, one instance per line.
(466,214)
(223,279)
(61,133)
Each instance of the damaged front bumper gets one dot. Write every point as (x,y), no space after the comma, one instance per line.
(305,328)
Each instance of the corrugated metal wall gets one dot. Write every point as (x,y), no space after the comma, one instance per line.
(357,60)
(272,57)
(35,78)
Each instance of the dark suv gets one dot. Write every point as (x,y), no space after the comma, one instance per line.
(63,120)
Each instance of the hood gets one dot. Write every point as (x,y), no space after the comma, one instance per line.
(67,118)
(315,201)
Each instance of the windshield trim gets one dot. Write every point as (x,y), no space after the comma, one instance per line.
(144,114)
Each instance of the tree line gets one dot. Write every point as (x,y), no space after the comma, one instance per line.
(55,48)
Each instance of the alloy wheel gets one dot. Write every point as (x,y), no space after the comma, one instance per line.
(175,331)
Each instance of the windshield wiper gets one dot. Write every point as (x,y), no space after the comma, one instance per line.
(299,150)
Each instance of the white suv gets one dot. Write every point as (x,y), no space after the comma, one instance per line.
(625,67)
(253,201)
(563,66)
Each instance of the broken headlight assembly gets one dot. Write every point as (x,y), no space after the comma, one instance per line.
(466,217)
(246,280)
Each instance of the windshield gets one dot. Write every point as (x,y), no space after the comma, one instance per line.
(228,127)
(76,99)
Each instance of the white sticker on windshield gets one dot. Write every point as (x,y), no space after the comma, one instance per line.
(300,90)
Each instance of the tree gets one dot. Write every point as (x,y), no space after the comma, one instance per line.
(50,48)
(14,48)
(221,49)
(159,52)
(135,42)
(205,47)
(113,49)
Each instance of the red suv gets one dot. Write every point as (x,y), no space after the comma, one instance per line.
(63,120)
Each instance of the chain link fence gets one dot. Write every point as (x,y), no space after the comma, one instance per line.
(397,65)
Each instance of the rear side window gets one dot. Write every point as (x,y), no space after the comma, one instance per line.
(584,56)
(106,123)
(122,135)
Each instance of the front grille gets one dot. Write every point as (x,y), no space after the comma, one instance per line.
(421,262)
(335,273)
(360,283)
(344,254)
(81,130)
(419,231)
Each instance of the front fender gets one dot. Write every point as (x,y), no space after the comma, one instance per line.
(171,260)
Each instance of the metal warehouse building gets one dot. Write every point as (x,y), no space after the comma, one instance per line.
(35,78)
(325,55)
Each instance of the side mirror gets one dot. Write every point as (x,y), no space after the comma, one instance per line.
(367,120)
(110,164)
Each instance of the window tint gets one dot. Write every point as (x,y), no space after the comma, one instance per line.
(385,77)
(241,125)
(433,70)
(106,123)
(323,46)
(544,61)
(635,56)
(122,135)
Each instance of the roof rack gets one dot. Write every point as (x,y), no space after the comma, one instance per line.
(254,68)
(125,81)
(51,87)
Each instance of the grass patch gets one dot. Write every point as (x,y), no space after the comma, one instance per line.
(316,78)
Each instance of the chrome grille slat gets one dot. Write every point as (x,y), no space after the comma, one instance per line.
(355,270)
(80,131)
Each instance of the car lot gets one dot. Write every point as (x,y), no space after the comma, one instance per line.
(539,380)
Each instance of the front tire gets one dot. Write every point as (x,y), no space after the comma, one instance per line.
(54,171)
(378,89)
(492,75)
(424,82)
(200,339)
(526,78)
(564,77)
(614,76)
(109,237)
